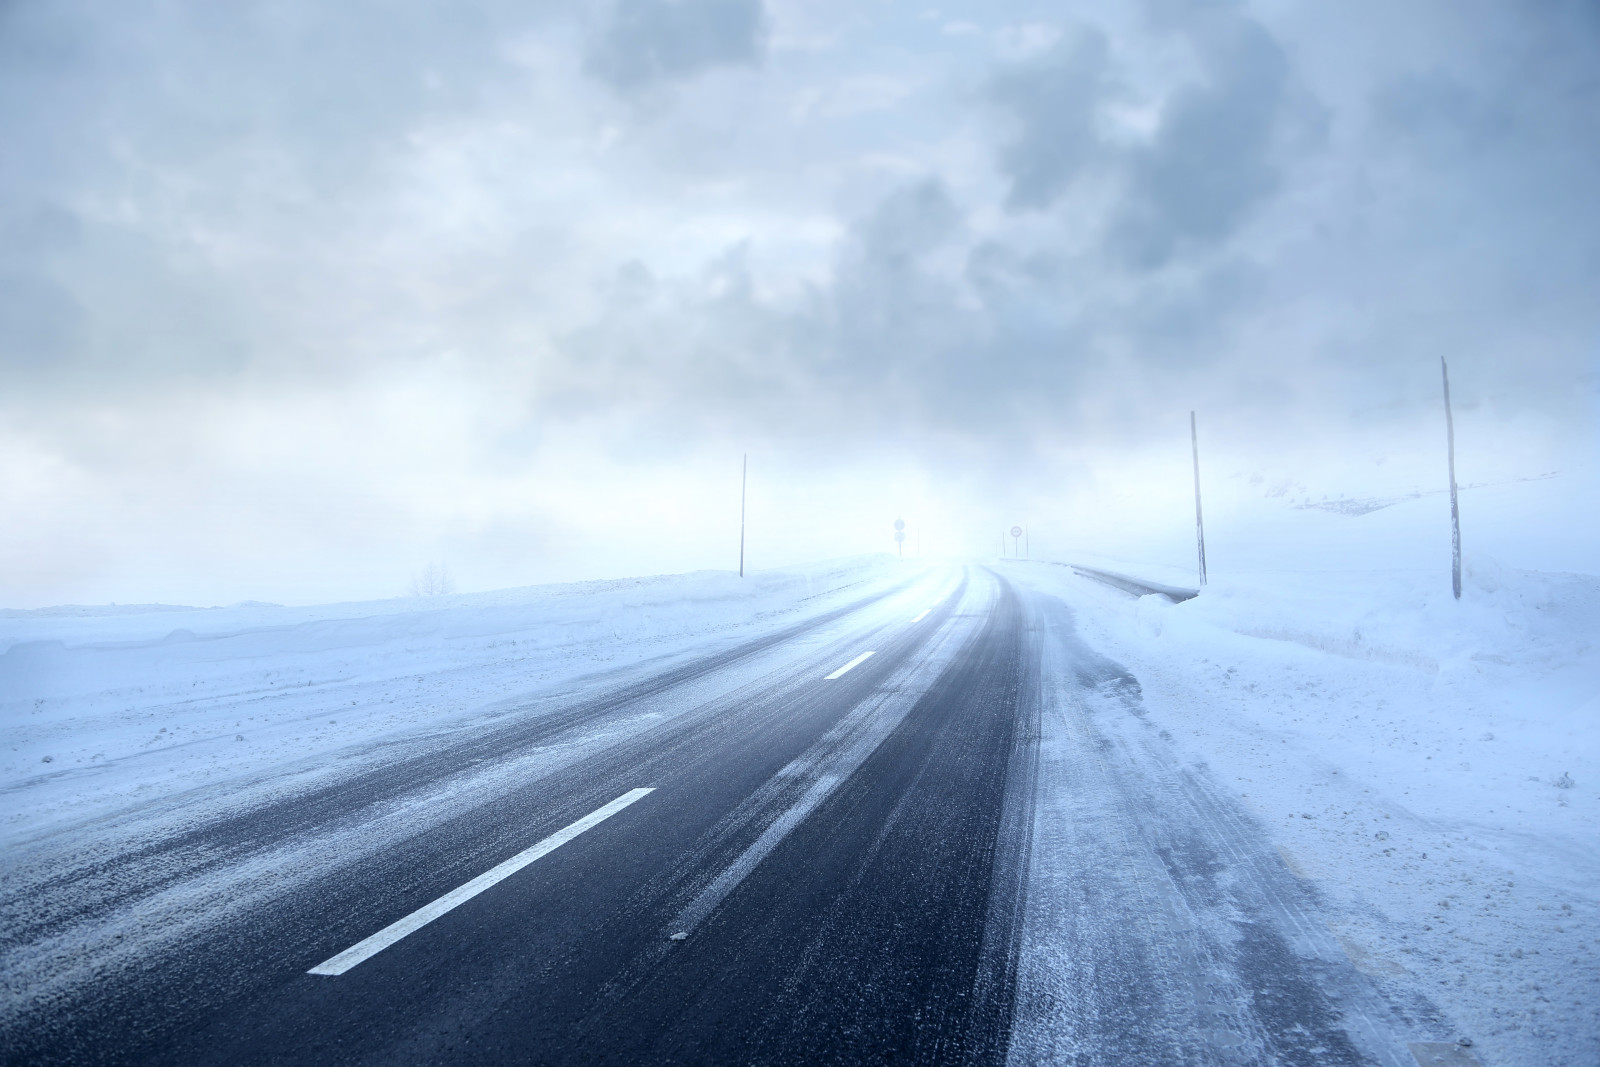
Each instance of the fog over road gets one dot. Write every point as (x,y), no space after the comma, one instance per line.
(966,847)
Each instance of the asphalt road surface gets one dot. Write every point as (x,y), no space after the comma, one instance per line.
(779,852)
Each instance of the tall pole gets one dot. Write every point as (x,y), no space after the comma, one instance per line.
(1027,540)
(744,485)
(1199,521)
(1455,510)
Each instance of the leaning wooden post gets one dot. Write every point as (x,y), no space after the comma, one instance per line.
(1455,509)
(1199,521)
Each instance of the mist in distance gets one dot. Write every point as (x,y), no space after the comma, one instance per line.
(298,301)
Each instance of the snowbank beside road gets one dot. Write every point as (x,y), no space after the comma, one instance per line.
(1432,765)
(100,707)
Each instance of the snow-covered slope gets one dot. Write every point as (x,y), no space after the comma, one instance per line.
(100,707)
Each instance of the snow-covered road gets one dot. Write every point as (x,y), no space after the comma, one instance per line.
(874,813)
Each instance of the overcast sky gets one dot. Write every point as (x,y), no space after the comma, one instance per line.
(298,297)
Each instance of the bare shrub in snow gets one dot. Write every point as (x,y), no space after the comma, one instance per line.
(432,580)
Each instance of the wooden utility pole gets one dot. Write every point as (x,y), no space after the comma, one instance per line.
(1455,510)
(744,484)
(1199,521)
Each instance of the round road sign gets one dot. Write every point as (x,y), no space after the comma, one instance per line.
(899,535)
(899,524)
(1016,531)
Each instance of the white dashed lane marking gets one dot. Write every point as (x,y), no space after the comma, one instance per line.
(853,663)
(365,950)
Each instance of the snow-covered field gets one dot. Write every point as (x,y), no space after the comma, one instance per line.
(102,708)
(1432,765)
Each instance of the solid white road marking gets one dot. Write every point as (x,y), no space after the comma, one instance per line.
(924,615)
(847,666)
(424,915)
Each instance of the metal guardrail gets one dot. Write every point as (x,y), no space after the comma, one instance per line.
(1136,586)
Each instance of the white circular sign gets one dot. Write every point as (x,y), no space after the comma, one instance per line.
(1016,531)
(899,524)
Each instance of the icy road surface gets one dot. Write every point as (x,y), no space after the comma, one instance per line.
(923,821)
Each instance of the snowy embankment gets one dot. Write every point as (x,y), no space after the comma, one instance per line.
(103,707)
(1433,766)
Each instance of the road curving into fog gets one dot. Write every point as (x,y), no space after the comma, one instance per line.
(896,832)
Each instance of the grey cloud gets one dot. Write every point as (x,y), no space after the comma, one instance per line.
(1439,116)
(173,83)
(893,321)
(914,335)
(41,321)
(1212,162)
(910,334)
(647,42)
(1052,102)
(306,197)
(95,306)
(270,122)
(1490,154)
(214,162)
(908,223)
(873,348)
(1529,108)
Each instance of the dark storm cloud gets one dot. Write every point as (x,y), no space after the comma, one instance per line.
(1211,161)
(887,315)
(883,326)
(646,42)
(912,333)
(919,327)
(1234,260)
(1054,102)
(206,168)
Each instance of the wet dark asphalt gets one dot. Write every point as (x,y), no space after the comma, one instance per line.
(859,938)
